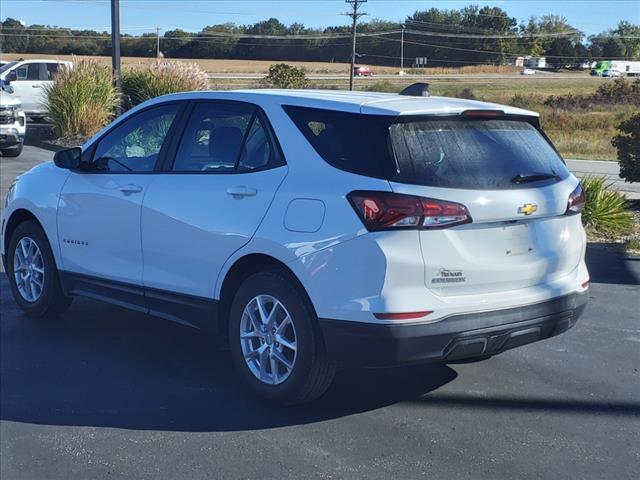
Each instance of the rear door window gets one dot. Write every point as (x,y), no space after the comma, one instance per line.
(474,154)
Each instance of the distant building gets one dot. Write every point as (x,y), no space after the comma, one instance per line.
(535,62)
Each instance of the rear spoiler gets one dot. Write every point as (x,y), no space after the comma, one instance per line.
(416,90)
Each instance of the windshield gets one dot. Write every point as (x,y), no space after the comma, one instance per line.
(474,154)
(6,67)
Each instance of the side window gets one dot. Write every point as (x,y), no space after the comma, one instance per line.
(257,151)
(51,71)
(213,138)
(28,72)
(134,145)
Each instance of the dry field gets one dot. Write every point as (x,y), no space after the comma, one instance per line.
(215,65)
(262,66)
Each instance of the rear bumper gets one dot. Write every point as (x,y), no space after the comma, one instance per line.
(360,344)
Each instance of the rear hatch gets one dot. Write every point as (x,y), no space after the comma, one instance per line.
(515,187)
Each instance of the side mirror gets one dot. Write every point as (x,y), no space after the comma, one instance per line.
(6,87)
(69,158)
(11,77)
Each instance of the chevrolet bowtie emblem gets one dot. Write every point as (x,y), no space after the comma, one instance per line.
(528,208)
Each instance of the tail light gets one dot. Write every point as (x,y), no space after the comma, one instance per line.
(394,211)
(576,202)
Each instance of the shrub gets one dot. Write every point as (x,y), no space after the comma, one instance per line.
(81,100)
(521,101)
(627,142)
(606,209)
(618,92)
(466,93)
(282,75)
(161,78)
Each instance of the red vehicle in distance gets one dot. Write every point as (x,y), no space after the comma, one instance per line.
(362,72)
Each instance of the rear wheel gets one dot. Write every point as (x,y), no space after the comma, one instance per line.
(275,341)
(32,272)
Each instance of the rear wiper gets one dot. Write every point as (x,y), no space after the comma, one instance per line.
(533,177)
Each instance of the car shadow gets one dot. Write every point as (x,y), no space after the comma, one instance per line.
(103,366)
(607,263)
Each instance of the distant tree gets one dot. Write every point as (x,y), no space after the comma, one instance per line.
(622,41)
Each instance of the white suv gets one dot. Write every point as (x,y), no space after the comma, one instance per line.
(13,124)
(314,229)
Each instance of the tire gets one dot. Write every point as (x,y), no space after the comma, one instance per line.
(12,152)
(49,300)
(310,374)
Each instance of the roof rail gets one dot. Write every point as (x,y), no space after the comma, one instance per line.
(416,90)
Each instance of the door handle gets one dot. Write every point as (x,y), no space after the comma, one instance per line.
(36,86)
(242,191)
(129,189)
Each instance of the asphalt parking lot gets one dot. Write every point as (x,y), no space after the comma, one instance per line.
(106,393)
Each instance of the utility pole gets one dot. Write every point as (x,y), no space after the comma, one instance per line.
(115,42)
(355,15)
(402,49)
(158,43)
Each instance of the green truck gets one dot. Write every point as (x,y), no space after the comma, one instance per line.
(616,68)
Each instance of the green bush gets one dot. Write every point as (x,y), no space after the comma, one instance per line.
(162,78)
(627,141)
(282,75)
(466,93)
(606,209)
(619,92)
(520,100)
(81,100)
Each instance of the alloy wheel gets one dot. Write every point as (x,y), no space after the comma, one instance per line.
(268,339)
(28,269)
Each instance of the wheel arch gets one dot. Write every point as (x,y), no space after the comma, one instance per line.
(16,218)
(243,268)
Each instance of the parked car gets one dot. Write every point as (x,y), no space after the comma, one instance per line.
(362,72)
(13,124)
(611,73)
(314,230)
(528,71)
(28,79)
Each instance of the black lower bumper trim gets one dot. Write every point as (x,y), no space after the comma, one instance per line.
(358,344)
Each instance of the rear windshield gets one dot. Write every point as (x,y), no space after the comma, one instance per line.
(433,151)
(473,154)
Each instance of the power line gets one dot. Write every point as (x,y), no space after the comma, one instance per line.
(355,14)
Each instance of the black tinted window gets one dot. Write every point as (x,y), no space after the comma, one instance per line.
(348,141)
(473,154)
(52,70)
(213,138)
(134,145)
(28,72)
(257,152)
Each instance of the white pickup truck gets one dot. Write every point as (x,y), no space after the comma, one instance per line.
(13,124)
(28,79)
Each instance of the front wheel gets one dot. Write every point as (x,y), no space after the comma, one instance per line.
(32,272)
(12,152)
(275,341)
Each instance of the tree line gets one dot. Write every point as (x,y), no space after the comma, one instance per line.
(468,36)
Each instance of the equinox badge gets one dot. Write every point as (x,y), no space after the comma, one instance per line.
(528,208)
